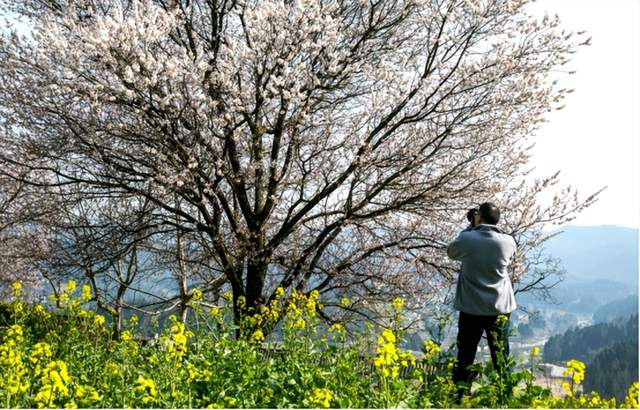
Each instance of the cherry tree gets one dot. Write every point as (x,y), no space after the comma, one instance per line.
(310,145)
(13,237)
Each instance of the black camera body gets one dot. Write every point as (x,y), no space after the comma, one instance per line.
(471,213)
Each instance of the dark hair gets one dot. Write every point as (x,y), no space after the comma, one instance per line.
(471,213)
(489,213)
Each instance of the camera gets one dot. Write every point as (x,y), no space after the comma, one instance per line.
(471,213)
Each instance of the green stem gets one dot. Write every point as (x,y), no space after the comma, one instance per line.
(123,389)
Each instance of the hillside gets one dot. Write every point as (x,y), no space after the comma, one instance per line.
(601,264)
(620,308)
(584,343)
(612,369)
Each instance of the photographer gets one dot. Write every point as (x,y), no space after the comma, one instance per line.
(484,294)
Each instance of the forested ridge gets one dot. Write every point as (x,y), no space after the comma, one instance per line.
(612,368)
(584,343)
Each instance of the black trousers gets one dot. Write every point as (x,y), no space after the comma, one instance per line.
(470,329)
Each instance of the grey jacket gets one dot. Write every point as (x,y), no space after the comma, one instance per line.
(484,286)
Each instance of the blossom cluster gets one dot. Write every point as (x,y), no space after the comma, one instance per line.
(389,358)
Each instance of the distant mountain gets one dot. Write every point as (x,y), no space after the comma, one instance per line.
(586,295)
(601,264)
(620,308)
(597,253)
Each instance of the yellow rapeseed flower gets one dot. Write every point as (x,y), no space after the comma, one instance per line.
(319,398)
(388,336)
(631,401)
(15,333)
(14,377)
(196,294)
(126,336)
(64,298)
(430,349)
(575,369)
(180,339)
(16,384)
(300,323)
(274,315)
(566,386)
(40,310)
(55,381)
(87,395)
(177,345)
(310,307)
(292,310)
(257,319)
(44,396)
(80,391)
(502,320)
(147,388)
(215,311)
(388,348)
(113,369)
(535,351)
(98,320)
(206,375)
(345,302)
(387,354)
(39,352)
(406,358)
(257,336)
(192,372)
(16,287)
(18,308)
(398,303)
(146,385)
(71,286)
(337,328)
(86,293)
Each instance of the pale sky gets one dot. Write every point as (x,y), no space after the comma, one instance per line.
(594,140)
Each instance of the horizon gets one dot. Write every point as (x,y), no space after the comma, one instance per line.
(606,225)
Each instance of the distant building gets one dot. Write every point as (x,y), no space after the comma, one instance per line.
(551,376)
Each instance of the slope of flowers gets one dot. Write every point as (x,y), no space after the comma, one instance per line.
(69,359)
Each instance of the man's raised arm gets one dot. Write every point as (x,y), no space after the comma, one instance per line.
(458,248)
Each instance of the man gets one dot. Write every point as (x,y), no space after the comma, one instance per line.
(484,294)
